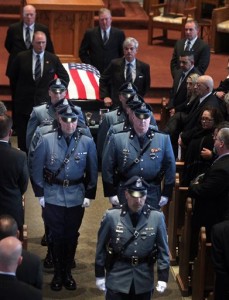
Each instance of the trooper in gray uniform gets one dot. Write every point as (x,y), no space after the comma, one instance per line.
(115,116)
(45,113)
(131,239)
(141,151)
(45,127)
(64,168)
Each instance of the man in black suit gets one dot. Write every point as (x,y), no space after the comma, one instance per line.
(30,270)
(220,258)
(31,83)
(14,175)
(204,87)
(179,90)
(15,41)
(103,43)
(121,70)
(10,258)
(211,204)
(193,43)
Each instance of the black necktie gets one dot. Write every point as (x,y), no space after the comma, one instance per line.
(68,139)
(134,219)
(181,79)
(38,68)
(187,48)
(105,37)
(27,38)
(128,73)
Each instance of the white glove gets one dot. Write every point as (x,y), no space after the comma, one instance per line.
(163,201)
(161,286)
(114,200)
(100,283)
(42,201)
(86,202)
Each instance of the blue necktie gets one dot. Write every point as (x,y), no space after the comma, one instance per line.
(38,68)
(27,38)
(129,73)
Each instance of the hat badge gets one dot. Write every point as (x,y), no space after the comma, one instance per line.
(58,82)
(139,183)
(129,86)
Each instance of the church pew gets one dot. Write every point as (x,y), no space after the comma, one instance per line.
(176,218)
(203,272)
(183,277)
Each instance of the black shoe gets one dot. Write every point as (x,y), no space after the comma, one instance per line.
(73,264)
(69,282)
(43,240)
(57,283)
(48,262)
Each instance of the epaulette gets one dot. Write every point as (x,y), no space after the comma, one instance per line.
(40,104)
(115,207)
(50,131)
(158,131)
(123,131)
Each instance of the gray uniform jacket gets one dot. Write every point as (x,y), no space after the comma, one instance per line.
(51,152)
(44,128)
(110,118)
(116,228)
(43,114)
(123,150)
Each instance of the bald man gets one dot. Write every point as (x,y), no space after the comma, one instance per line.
(10,258)
(30,270)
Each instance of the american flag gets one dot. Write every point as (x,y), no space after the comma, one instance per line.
(84,81)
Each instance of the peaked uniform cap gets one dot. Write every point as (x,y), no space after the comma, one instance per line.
(143,111)
(58,85)
(68,114)
(128,89)
(136,186)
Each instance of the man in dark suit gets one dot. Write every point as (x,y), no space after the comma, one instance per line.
(220,258)
(178,97)
(10,258)
(211,204)
(14,174)
(30,270)
(31,84)
(193,43)
(103,43)
(204,88)
(15,41)
(121,70)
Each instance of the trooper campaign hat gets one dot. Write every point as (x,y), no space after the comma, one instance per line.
(134,101)
(68,114)
(58,85)
(143,112)
(128,89)
(136,186)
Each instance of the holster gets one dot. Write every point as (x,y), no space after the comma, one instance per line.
(49,176)
(110,258)
(153,256)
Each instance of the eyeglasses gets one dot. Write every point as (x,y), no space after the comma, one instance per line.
(206,120)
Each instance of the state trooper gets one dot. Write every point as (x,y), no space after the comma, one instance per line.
(131,238)
(42,129)
(115,116)
(45,113)
(64,169)
(141,151)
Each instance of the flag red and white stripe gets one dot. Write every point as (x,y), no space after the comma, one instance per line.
(84,81)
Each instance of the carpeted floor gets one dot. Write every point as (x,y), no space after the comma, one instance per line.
(84,272)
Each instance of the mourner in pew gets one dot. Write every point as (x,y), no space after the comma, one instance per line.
(210,191)
(196,161)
